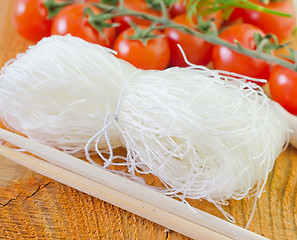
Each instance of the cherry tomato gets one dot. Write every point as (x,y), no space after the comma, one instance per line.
(30,19)
(282,27)
(283,87)
(178,8)
(154,55)
(197,50)
(225,59)
(71,20)
(136,5)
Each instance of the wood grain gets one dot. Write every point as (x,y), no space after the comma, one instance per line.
(33,206)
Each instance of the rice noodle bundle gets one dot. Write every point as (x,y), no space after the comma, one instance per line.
(204,135)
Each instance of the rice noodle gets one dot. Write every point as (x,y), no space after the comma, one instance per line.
(205,135)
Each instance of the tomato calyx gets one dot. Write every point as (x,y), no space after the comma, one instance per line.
(206,26)
(268,43)
(54,7)
(98,21)
(143,34)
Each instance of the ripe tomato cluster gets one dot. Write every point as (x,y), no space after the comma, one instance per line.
(31,20)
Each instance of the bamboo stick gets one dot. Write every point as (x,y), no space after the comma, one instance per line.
(121,192)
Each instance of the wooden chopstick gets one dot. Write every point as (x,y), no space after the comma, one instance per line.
(120,191)
(110,195)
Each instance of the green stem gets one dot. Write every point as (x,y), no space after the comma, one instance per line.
(246,4)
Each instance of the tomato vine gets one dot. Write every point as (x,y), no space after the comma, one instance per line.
(205,30)
(210,35)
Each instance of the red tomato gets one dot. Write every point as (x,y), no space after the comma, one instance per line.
(136,5)
(197,50)
(282,27)
(283,87)
(30,19)
(225,59)
(178,8)
(154,55)
(71,20)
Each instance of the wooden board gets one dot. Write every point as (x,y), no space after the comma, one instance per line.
(33,206)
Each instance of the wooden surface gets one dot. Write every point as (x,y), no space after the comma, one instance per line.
(36,207)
